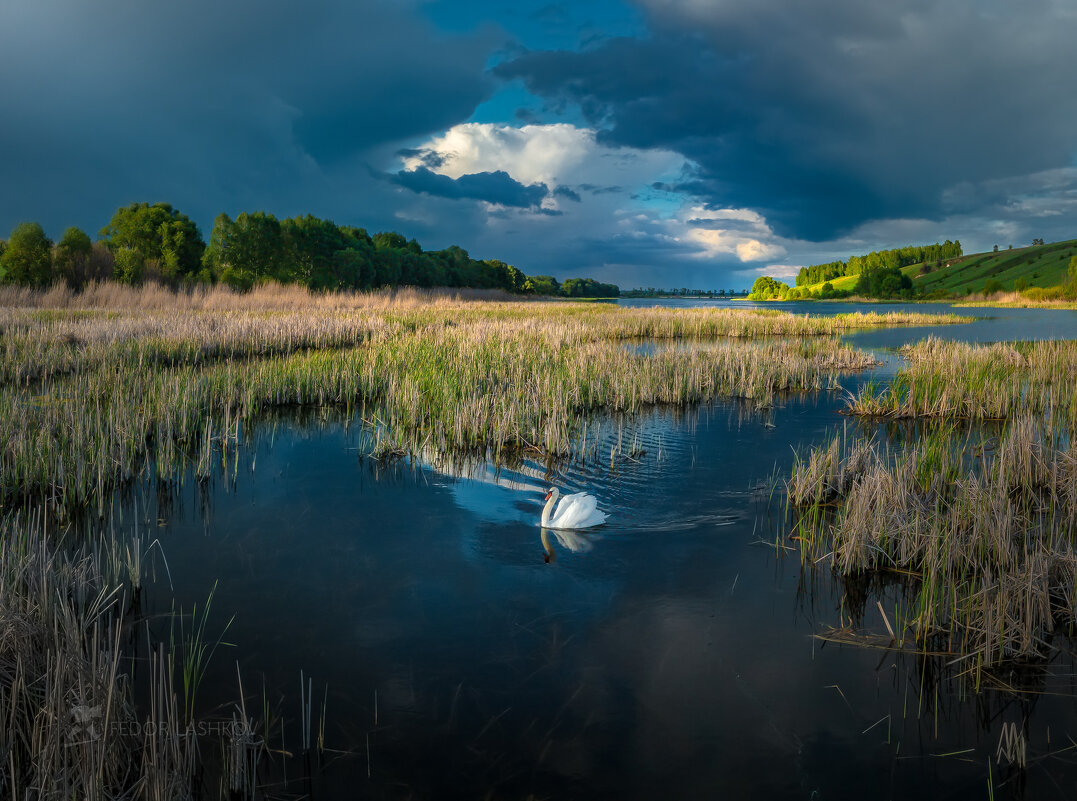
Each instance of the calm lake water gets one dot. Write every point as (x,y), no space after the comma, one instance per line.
(668,654)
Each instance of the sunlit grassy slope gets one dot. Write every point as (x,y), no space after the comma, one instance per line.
(1039,265)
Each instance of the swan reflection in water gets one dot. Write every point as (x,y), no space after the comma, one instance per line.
(575,541)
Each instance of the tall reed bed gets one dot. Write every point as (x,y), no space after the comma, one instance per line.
(75,722)
(979,529)
(70,727)
(42,342)
(88,398)
(958,381)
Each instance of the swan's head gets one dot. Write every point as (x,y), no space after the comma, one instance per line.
(551,493)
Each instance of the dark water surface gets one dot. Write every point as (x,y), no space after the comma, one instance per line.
(668,654)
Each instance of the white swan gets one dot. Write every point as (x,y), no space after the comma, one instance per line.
(579,510)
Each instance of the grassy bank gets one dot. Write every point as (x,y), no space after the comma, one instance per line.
(1017,300)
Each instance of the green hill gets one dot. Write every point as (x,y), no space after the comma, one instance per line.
(846,282)
(1038,265)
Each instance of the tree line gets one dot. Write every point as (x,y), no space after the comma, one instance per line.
(878,260)
(146,241)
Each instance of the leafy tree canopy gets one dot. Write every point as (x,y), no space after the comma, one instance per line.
(588,288)
(142,239)
(899,257)
(154,234)
(73,251)
(542,285)
(27,259)
(767,288)
(884,282)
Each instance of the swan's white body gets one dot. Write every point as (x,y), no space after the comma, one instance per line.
(579,510)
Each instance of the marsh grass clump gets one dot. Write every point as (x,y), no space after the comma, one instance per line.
(959,381)
(980,534)
(71,729)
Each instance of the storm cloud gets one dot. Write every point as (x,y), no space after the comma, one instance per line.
(665,142)
(826,115)
(492,187)
(218,106)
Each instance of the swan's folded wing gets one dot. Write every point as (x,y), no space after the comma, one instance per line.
(579,510)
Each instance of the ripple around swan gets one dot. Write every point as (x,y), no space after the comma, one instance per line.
(651,472)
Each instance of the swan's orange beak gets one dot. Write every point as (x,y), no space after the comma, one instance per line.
(548,494)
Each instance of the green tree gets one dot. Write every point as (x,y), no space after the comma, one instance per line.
(767,288)
(1072,269)
(312,244)
(27,259)
(883,282)
(128,266)
(390,239)
(541,285)
(588,288)
(72,257)
(242,251)
(353,268)
(155,235)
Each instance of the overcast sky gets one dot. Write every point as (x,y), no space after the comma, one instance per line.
(657,142)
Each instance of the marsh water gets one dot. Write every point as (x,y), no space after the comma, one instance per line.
(454,652)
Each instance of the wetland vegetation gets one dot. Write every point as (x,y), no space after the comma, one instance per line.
(948,503)
(96,392)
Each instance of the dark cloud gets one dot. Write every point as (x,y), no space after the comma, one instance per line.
(566,192)
(493,187)
(601,190)
(219,106)
(828,114)
(429,158)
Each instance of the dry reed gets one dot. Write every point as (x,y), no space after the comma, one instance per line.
(983,533)
(958,381)
(90,395)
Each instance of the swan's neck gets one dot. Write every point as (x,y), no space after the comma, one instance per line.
(547,510)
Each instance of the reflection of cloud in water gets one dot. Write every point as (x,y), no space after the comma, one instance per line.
(490,502)
(491,493)
(480,488)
